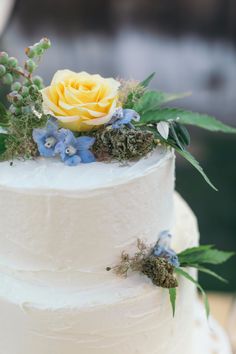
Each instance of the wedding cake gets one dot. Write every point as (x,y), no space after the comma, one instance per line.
(98,253)
(60,228)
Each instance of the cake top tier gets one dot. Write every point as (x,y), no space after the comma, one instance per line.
(50,174)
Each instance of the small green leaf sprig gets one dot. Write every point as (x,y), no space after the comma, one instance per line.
(169,124)
(25,112)
(164,273)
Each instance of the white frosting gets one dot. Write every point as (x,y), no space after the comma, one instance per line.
(62,225)
(60,228)
(52,175)
(122,316)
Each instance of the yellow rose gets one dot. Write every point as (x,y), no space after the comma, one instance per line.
(80,101)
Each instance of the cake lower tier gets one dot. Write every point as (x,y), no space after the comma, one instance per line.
(124,316)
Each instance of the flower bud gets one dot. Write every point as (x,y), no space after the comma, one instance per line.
(2,70)
(7,79)
(33,89)
(45,43)
(3,58)
(30,65)
(16,86)
(30,52)
(25,91)
(38,81)
(12,62)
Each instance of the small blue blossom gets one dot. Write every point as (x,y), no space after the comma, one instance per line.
(123,117)
(162,249)
(47,138)
(74,150)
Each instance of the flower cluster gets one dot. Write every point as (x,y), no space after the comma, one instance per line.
(157,262)
(123,119)
(162,249)
(52,141)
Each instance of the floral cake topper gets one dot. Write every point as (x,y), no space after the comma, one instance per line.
(82,117)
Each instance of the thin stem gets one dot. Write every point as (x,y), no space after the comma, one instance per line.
(22,73)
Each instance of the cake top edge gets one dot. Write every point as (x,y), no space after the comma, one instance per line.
(49,174)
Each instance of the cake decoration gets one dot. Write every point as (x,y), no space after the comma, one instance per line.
(162,265)
(82,117)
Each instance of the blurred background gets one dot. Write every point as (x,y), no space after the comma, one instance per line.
(191,44)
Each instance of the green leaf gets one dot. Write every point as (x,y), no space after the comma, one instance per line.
(189,277)
(194,163)
(199,255)
(209,272)
(187,117)
(172,293)
(147,81)
(4,118)
(152,100)
(3,138)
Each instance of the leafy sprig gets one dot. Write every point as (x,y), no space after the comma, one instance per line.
(198,257)
(151,107)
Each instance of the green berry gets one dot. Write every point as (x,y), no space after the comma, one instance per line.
(26,83)
(40,51)
(15,98)
(11,96)
(16,86)
(33,89)
(3,58)
(18,100)
(7,79)
(30,52)
(30,65)
(2,70)
(15,110)
(45,42)
(12,62)
(25,91)
(38,81)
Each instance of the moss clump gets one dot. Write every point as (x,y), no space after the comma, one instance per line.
(122,144)
(160,271)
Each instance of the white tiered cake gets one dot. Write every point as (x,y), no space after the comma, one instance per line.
(60,228)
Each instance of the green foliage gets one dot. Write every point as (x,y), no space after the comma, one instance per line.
(181,272)
(194,163)
(152,100)
(186,117)
(4,116)
(209,272)
(178,135)
(203,255)
(172,294)
(197,257)
(3,138)
(147,81)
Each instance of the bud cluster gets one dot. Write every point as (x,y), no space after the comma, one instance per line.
(26,91)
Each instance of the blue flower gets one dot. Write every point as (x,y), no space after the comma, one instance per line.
(123,117)
(162,249)
(74,150)
(47,138)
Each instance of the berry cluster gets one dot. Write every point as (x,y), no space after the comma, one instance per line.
(25,112)
(25,91)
